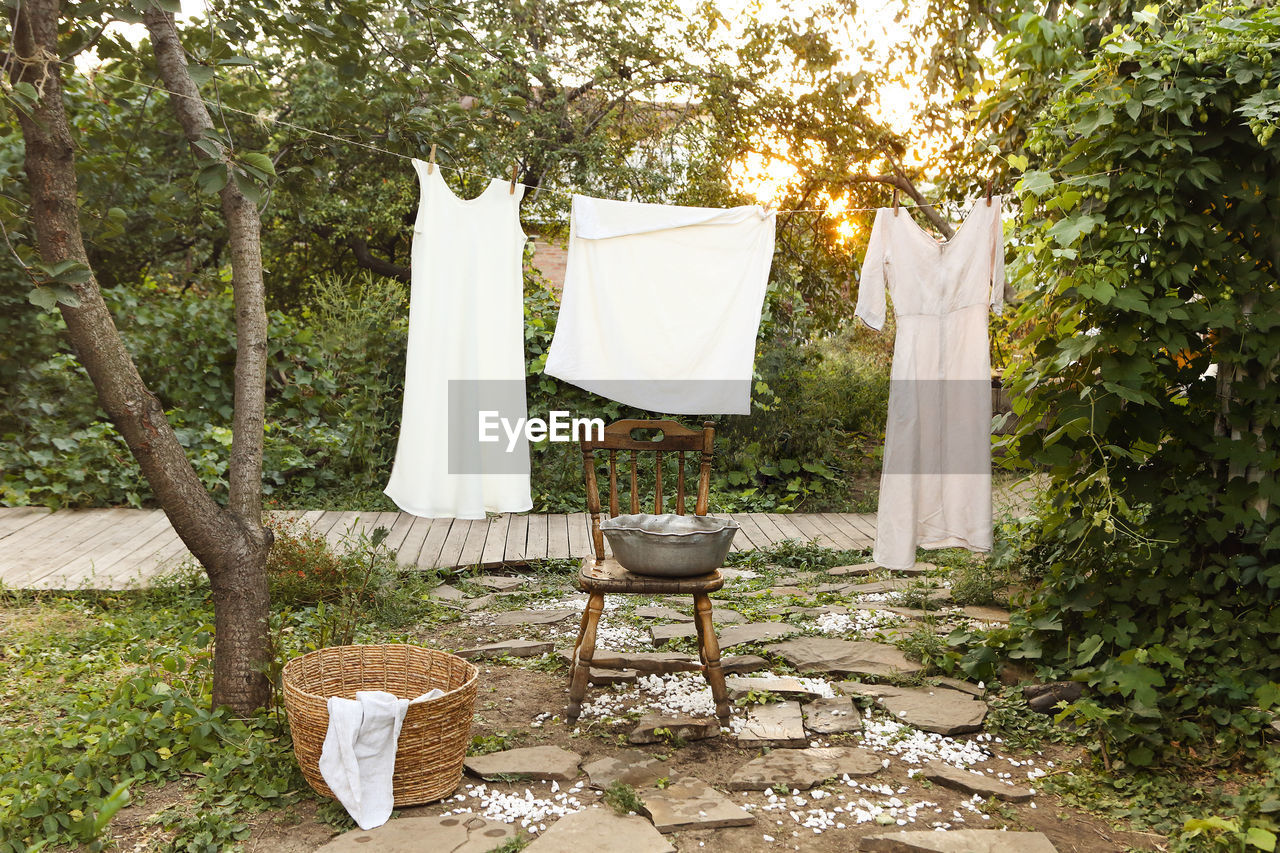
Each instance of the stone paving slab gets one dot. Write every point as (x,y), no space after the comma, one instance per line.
(635,769)
(499,583)
(460,833)
(547,763)
(753,632)
(786,686)
(970,782)
(778,724)
(958,841)
(686,728)
(934,709)
(534,617)
(514,648)
(690,803)
(804,768)
(600,829)
(843,657)
(830,716)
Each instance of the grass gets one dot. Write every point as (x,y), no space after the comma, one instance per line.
(623,799)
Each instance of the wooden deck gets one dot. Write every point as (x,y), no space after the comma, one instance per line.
(120,548)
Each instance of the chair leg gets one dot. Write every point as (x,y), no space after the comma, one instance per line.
(583,652)
(709,651)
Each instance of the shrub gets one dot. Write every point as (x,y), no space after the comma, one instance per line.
(1157,544)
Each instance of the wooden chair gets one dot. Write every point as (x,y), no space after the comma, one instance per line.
(600,574)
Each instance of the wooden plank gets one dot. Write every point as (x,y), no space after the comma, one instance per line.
(495,540)
(866,522)
(787,528)
(112,529)
(517,539)
(738,536)
(768,529)
(807,527)
(451,551)
(57,526)
(139,561)
(536,547)
(413,540)
(830,533)
(310,518)
(557,536)
(579,535)
(749,532)
(429,556)
(345,528)
(854,533)
(40,544)
(13,519)
(399,530)
(110,548)
(473,547)
(170,554)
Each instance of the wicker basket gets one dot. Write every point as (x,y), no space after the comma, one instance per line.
(434,737)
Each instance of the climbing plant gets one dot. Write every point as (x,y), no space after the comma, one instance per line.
(1148,385)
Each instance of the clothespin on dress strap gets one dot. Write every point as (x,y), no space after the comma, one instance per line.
(990,181)
(895,201)
(431,160)
(515,167)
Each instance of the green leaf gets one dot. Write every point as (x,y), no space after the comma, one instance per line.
(212,178)
(236,60)
(1256,836)
(200,74)
(260,162)
(1067,232)
(1035,182)
(247,187)
(42,297)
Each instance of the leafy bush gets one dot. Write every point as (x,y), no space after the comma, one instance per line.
(124,703)
(334,390)
(1157,545)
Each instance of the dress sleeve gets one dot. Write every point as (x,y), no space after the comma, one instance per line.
(997,259)
(871,281)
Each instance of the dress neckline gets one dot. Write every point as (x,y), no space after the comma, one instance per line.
(942,244)
(436,173)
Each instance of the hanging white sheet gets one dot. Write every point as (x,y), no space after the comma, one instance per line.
(661,304)
(466,343)
(935,485)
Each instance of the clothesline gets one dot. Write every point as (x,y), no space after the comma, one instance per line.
(536,187)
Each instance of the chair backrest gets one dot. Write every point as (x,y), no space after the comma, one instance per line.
(623,436)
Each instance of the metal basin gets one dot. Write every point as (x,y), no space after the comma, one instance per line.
(669,545)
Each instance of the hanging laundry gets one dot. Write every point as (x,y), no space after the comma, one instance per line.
(935,483)
(661,304)
(465,355)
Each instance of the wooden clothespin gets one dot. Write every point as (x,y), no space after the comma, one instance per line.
(895,202)
(990,181)
(431,160)
(515,167)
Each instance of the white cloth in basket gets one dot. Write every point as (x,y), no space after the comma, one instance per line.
(358,758)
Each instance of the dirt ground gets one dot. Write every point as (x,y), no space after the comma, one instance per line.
(513,695)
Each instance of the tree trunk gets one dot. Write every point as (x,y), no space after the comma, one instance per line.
(231,544)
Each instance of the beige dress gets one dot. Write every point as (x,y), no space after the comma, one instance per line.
(935,485)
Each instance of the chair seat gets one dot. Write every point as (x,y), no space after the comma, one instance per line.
(610,576)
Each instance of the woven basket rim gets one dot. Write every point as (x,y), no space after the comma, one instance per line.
(292,682)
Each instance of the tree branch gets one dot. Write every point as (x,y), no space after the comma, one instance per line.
(248,290)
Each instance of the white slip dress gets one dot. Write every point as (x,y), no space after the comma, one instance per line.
(935,482)
(466,322)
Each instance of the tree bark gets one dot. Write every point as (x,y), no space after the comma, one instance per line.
(231,546)
(244,241)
